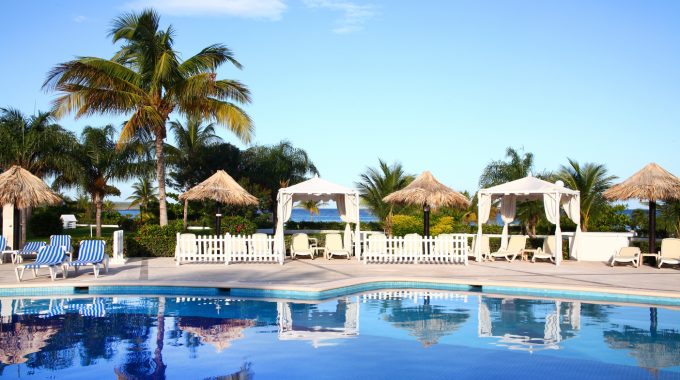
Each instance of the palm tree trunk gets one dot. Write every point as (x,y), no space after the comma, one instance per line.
(98,202)
(24,221)
(186,211)
(160,176)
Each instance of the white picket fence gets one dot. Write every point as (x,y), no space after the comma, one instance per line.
(257,248)
(443,249)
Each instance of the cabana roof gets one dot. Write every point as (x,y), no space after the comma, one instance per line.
(317,186)
(528,188)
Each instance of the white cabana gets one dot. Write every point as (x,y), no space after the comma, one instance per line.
(316,189)
(554,196)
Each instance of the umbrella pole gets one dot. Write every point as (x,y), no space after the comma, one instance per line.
(218,219)
(652,226)
(426,221)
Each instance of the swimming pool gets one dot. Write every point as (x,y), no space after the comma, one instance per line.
(386,334)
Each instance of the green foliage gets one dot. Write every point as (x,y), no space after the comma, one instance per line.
(45,221)
(610,219)
(238,225)
(152,240)
(406,224)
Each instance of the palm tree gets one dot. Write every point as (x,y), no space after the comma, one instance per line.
(144,194)
(376,183)
(190,140)
(312,207)
(100,162)
(37,144)
(591,180)
(669,215)
(516,167)
(147,80)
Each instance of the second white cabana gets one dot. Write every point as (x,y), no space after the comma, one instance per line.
(554,196)
(316,189)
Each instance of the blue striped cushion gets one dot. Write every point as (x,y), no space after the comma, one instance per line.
(63,240)
(31,247)
(90,251)
(48,256)
(3,243)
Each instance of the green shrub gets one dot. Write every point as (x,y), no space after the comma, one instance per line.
(45,221)
(238,225)
(406,224)
(152,240)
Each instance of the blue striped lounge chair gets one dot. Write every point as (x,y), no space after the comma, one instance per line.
(30,248)
(3,249)
(64,241)
(50,256)
(91,252)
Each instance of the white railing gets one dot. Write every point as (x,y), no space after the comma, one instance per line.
(226,249)
(443,249)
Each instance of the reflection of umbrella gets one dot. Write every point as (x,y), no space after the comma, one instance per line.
(651,183)
(221,188)
(23,339)
(427,192)
(219,332)
(427,323)
(22,189)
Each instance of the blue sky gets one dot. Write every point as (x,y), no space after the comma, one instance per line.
(444,86)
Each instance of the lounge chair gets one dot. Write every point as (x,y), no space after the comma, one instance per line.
(484,250)
(334,246)
(515,246)
(50,256)
(412,247)
(30,248)
(3,249)
(300,246)
(64,241)
(547,252)
(91,252)
(670,252)
(627,255)
(260,245)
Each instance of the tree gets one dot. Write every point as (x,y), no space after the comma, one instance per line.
(312,207)
(591,180)
(144,194)
(277,166)
(376,183)
(191,142)
(147,80)
(37,144)
(669,215)
(100,162)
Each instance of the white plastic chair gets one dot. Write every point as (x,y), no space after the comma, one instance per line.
(627,255)
(670,252)
(334,246)
(300,246)
(547,252)
(515,246)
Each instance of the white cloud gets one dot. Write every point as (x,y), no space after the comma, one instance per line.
(353,18)
(80,19)
(266,9)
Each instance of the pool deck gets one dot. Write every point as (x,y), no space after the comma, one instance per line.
(321,274)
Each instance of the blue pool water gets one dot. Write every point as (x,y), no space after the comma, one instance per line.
(391,334)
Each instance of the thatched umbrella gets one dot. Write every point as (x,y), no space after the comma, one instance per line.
(24,190)
(651,183)
(221,188)
(427,192)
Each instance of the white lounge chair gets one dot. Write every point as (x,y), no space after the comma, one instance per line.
(260,245)
(627,255)
(484,249)
(547,252)
(413,246)
(334,246)
(300,246)
(90,252)
(50,256)
(670,252)
(515,246)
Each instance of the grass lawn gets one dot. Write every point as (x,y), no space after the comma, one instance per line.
(78,233)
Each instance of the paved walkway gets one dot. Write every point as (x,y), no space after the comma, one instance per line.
(321,274)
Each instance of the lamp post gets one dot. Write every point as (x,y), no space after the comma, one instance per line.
(218,219)
(426,220)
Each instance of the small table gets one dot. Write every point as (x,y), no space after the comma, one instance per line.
(643,255)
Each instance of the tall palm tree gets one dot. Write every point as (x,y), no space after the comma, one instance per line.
(37,144)
(376,183)
(144,194)
(312,207)
(191,140)
(100,162)
(516,167)
(591,180)
(148,80)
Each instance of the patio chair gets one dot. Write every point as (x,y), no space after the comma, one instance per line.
(30,248)
(627,255)
(334,246)
(300,246)
(64,241)
(50,256)
(3,249)
(412,247)
(260,245)
(376,244)
(91,252)
(484,250)
(670,252)
(515,246)
(547,252)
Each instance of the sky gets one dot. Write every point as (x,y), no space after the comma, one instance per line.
(443,86)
